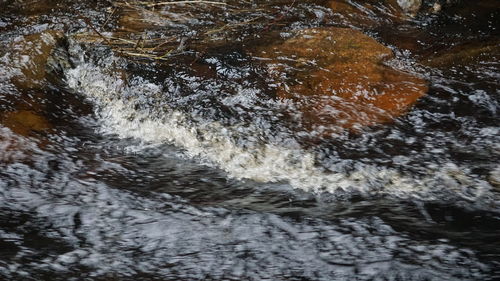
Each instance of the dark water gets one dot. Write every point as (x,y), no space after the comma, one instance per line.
(190,168)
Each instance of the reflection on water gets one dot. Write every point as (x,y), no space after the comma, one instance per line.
(183,162)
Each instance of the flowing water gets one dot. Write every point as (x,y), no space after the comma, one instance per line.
(186,166)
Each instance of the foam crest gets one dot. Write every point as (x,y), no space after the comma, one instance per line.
(214,144)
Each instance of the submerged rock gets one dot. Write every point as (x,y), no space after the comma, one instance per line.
(31,8)
(465,54)
(369,14)
(24,122)
(29,56)
(373,13)
(349,14)
(336,76)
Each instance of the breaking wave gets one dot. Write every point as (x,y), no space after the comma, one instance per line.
(125,108)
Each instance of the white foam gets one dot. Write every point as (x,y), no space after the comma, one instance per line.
(212,143)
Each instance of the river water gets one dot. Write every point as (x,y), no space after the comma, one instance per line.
(182,164)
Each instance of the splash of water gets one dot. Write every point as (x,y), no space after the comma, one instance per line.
(124,108)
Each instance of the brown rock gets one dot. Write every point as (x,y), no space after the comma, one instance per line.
(30,55)
(24,122)
(465,54)
(337,78)
(136,19)
(348,14)
(34,7)
(368,14)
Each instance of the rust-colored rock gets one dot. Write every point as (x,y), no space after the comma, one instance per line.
(337,78)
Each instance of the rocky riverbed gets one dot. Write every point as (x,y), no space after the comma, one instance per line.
(249,140)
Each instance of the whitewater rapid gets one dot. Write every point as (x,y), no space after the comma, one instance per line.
(125,108)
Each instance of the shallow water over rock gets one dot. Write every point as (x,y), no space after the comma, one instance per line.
(149,141)
(347,66)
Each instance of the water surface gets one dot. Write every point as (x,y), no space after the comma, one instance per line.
(115,167)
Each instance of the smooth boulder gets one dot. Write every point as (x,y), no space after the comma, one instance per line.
(338,79)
